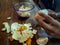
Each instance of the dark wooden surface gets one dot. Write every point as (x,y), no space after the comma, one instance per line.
(7,10)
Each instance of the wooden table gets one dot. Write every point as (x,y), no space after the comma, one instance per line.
(6,10)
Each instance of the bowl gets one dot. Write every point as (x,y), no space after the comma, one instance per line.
(24,9)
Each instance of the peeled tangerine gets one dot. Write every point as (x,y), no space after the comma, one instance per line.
(23,33)
(42,41)
(7,27)
(45,11)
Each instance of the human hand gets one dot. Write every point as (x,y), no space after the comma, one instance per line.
(52,27)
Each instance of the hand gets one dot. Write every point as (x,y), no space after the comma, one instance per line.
(52,27)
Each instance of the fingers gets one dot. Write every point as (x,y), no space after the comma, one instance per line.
(50,19)
(52,13)
(45,25)
(40,17)
(53,34)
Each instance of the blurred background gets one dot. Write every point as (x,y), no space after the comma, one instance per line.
(49,4)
